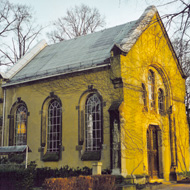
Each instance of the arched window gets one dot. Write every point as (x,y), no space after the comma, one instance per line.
(161,101)
(151,84)
(54,126)
(144,94)
(51,129)
(93,117)
(20,125)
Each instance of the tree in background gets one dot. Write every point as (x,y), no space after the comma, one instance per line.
(176,17)
(177,22)
(180,19)
(183,53)
(17,31)
(7,18)
(78,21)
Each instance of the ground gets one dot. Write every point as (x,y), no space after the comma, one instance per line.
(174,187)
(168,186)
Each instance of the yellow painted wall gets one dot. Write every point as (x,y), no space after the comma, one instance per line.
(69,90)
(151,51)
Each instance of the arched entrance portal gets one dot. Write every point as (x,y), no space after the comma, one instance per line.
(154,151)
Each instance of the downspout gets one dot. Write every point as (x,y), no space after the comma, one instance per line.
(172,176)
(3,124)
(26,161)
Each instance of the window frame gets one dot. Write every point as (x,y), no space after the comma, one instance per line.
(84,154)
(47,154)
(93,140)
(161,101)
(54,126)
(19,128)
(151,89)
(144,95)
(12,119)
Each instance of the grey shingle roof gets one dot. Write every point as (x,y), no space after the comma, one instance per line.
(83,52)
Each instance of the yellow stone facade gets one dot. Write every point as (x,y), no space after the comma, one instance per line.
(153,52)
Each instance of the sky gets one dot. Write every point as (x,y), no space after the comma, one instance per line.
(116,12)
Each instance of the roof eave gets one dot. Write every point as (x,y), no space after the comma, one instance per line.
(105,64)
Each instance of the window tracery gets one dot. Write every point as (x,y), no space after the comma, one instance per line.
(151,86)
(93,123)
(20,125)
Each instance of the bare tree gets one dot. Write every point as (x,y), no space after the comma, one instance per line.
(176,19)
(7,18)
(22,32)
(78,21)
(176,15)
(180,18)
(183,53)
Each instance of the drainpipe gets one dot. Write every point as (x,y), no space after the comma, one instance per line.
(3,124)
(26,157)
(172,132)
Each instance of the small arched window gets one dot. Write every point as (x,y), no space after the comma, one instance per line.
(93,117)
(144,94)
(54,126)
(151,86)
(161,101)
(20,125)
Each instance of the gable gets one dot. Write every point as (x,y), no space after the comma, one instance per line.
(149,19)
(153,49)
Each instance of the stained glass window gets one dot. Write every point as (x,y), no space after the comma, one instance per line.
(21,125)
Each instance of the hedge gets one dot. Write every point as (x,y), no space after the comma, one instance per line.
(97,182)
(13,177)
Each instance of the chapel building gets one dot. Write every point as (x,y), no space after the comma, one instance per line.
(115,96)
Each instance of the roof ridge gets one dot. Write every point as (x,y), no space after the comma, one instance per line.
(86,35)
(138,28)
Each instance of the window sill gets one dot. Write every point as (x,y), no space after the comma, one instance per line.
(91,156)
(48,157)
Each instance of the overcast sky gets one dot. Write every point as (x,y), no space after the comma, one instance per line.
(116,12)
